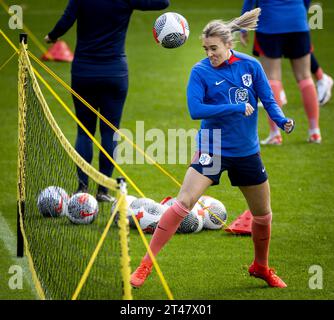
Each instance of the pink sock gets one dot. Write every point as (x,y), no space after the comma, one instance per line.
(168,224)
(319,74)
(261,229)
(310,100)
(276,87)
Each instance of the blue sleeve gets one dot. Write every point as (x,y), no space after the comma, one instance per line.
(199,110)
(66,21)
(266,96)
(248,5)
(146,5)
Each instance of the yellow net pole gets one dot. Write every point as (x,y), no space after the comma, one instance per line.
(123,225)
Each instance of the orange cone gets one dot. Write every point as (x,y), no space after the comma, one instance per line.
(60,51)
(242,225)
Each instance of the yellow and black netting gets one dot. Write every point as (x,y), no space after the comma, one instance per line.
(60,250)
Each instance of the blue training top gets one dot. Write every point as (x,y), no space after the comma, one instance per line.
(101,33)
(219,95)
(280,16)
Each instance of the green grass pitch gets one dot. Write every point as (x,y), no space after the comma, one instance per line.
(210,264)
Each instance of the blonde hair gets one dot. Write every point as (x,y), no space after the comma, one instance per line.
(225,30)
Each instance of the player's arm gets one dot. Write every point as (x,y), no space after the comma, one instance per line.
(146,5)
(65,22)
(199,110)
(263,90)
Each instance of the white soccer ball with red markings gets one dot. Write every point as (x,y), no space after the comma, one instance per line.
(129,199)
(148,220)
(82,208)
(136,204)
(215,214)
(53,202)
(171,30)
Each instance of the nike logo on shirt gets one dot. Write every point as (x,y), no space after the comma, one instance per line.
(219,82)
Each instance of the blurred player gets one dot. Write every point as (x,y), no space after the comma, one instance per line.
(99,71)
(324,81)
(283,31)
(222,91)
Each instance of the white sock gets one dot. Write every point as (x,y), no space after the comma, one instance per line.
(314,131)
(274,133)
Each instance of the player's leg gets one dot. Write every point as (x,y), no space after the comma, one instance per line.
(83,144)
(272,68)
(258,200)
(112,97)
(297,48)
(301,69)
(249,174)
(269,48)
(194,185)
(315,68)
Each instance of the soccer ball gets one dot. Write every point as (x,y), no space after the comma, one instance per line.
(129,199)
(133,203)
(193,222)
(171,30)
(215,214)
(147,221)
(155,208)
(82,208)
(168,201)
(53,202)
(139,202)
(150,209)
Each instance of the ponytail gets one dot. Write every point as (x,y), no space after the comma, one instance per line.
(248,21)
(225,30)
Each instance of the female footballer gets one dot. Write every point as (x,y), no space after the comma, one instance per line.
(222,91)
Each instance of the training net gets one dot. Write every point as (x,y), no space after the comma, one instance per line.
(58,249)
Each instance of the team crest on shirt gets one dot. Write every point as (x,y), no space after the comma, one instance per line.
(205,159)
(241,95)
(238,95)
(247,79)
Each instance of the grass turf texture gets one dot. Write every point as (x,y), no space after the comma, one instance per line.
(211,264)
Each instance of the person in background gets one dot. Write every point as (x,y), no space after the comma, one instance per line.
(283,31)
(222,91)
(99,71)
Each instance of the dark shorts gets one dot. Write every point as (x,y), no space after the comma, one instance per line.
(242,171)
(291,45)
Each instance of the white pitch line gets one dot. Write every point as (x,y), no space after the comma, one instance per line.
(9,240)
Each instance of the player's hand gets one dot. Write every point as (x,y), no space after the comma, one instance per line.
(48,40)
(289,126)
(244,38)
(249,110)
